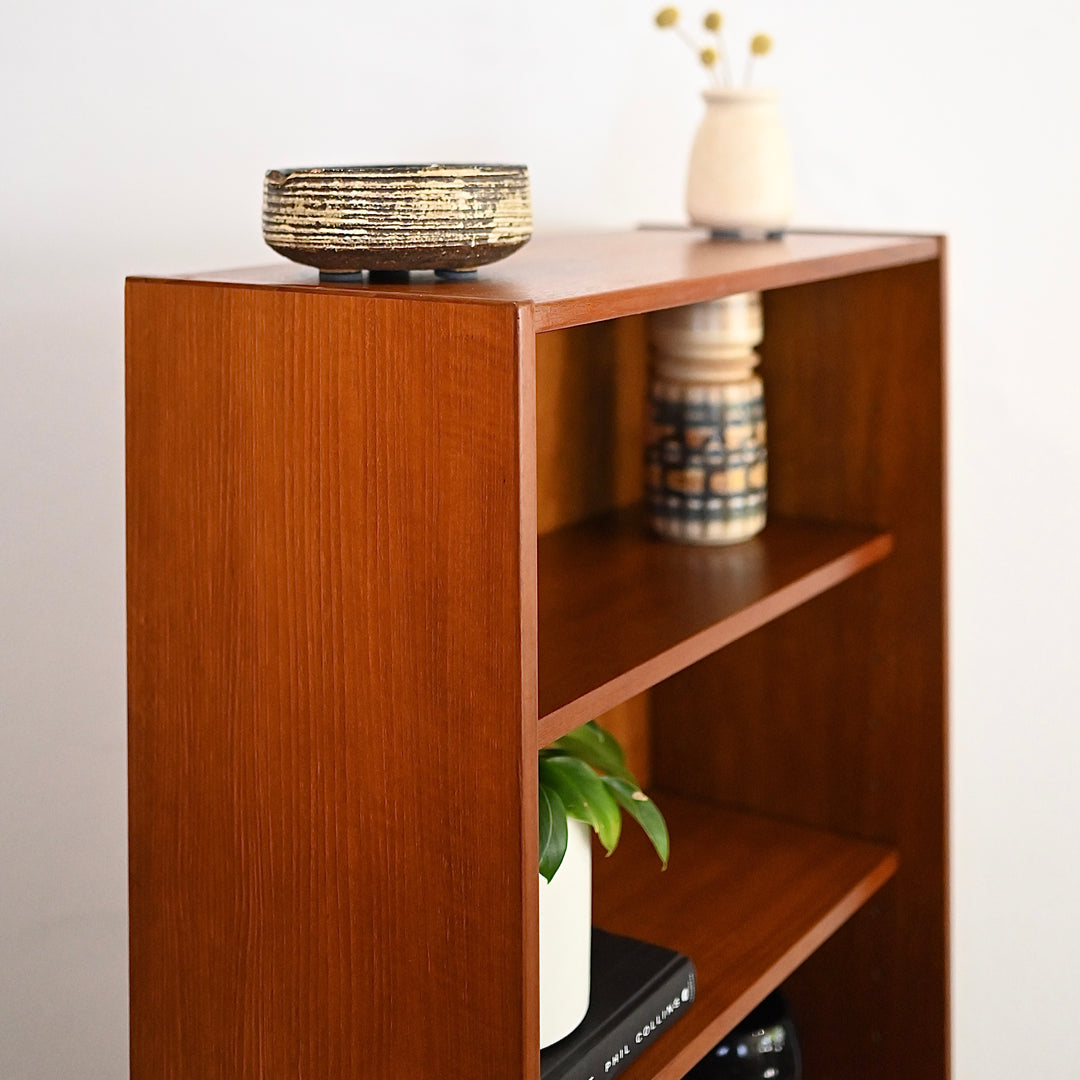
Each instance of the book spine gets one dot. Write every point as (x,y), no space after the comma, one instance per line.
(641,1027)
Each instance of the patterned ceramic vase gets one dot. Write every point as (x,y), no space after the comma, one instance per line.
(705,461)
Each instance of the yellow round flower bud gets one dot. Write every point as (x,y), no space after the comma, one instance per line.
(761,44)
(668,16)
(714,21)
(708,57)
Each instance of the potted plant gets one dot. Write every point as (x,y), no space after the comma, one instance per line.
(584,786)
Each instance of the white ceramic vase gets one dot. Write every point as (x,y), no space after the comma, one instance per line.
(740,181)
(566,938)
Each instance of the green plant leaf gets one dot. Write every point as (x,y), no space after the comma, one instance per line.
(644,811)
(552,831)
(584,796)
(598,748)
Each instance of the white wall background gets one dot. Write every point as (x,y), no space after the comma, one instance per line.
(133,140)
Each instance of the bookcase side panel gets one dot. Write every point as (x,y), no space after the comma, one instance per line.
(835,714)
(331,728)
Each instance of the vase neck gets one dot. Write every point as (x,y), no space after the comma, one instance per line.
(726,95)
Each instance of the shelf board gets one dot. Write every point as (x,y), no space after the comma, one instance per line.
(748,899)
(619,611)
(574,279)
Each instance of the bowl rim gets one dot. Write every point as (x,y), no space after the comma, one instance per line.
(281,176)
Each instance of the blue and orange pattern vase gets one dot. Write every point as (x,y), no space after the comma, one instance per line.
(706,456)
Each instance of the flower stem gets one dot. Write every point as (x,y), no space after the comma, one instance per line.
(725,59)
(691,44)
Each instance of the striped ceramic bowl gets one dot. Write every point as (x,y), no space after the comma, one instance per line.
(344,219)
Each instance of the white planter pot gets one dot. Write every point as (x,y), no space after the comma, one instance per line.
(740,179)
(566,938)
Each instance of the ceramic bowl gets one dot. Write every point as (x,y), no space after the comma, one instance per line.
(345,219)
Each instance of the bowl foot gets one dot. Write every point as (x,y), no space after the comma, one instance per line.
(388,277)
(344,275)
(456,275)
(746,234)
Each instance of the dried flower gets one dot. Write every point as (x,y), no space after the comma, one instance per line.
(760,45)
(715,56)
(714,23)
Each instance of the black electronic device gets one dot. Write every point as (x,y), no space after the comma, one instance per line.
(765,1046)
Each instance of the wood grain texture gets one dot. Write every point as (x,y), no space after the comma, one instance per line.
(834,715)
(346,639)
(591,390)
(591,277)
(620,610)
(746,898)
(331,722)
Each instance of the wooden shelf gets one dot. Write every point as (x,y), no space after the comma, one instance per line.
(337,555)
(583,278)
(619,611)
(746,898)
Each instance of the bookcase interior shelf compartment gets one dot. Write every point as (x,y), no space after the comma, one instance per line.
(386,541)
(748,898)
(619,611)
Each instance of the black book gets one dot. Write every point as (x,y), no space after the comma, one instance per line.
(638,992)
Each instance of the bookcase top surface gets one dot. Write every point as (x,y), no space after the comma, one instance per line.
(571,279)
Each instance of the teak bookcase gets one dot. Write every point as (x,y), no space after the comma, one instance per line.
(383,543)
